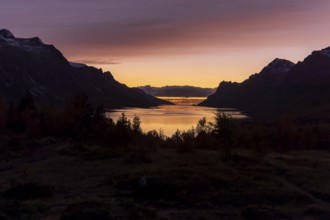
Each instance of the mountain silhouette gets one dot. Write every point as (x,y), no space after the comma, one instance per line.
(281,89)
(31,65)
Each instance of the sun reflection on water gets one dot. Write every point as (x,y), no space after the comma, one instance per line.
(168,118)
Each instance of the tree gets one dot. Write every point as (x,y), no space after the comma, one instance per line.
(203,127)
(123,122)
(136,126)
(99,114)
(223,129)
(78,113)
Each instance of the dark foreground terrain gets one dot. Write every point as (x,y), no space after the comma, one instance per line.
(76,164)
(51,178)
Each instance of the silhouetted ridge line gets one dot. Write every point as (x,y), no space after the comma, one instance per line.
(29,64)
(281,89)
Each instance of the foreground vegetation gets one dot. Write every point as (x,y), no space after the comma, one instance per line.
(75,163)
(82,122)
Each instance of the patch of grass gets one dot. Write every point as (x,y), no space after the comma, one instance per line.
(28,191)
(153,188)
(20,210)
(87,211)
(90,152)
(137,212)
(261,212)
(317,212)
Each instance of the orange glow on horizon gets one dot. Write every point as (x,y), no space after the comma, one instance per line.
(173,42)
(204,70)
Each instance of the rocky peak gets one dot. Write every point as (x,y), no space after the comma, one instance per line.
(4,33)
(36,40)
(280,63)
(324,52)
(226,85)
(278,66)
(33,44)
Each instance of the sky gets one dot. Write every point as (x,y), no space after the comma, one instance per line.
(174,42)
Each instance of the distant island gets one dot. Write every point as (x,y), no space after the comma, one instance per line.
(178,91)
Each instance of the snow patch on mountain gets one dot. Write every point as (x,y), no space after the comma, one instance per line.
(29,44)
(6,34)
(278,66)
(78,65)
(325,52)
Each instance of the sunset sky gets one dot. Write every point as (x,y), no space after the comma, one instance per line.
(174,42)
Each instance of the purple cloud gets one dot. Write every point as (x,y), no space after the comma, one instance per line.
(130,27)
(98,61)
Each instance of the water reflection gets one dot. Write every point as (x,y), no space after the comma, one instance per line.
(169,118)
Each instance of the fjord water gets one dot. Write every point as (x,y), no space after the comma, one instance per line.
(168,118)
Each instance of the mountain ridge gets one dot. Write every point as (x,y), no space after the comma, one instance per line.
(28,64)
(281,89)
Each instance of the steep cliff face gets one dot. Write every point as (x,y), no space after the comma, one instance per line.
(30,65)
(282,88)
